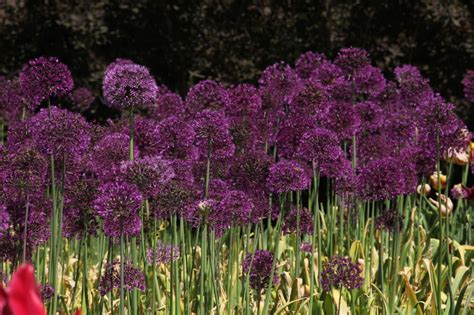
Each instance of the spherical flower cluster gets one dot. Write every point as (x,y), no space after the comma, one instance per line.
(212,134)
(305,224)
(286,176)
(382,179)
(207,94)
(118,205)
(468,83)
(321,146)
(60,133)
(109,152)
(148,174)
(390,220)
(307,62)
(278,84)
(250,171)
(128,85)
(238,207)
(44,77)
(352,59)
(259,268)
(167,105)
(47,292)
(175,139)
(82,98)
(162,254)
(110,280)
(369,80)
(341,272)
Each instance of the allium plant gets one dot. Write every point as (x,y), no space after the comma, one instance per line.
(190,203)
(45,77)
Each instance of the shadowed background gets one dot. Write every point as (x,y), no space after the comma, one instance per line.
(183,42)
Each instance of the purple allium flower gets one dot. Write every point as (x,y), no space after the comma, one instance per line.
(369,80)
(109,152)
(319,145)
(259,267)
(79,219)
(144,135)
(47,292)
(277,85)
(390,220)
(44,77)
(24,173)
(352,59)
(468,83)
(207,211)
(60,132)
(382,179)
(311,100)
(244,100)
(162,254)
(341,91)
(342,118)
(286,176)
(12,101)
(371,115)
(290,134)
(148,174)
(162,89)
(390,97)
(212,134)
(118,204)
(290,225)
(128,85)
(167,105)
(82,98)
(4,220)
(326,73)
(118,62)
(413,87)
(306,247)
(133,278)
(175,139)
(341,272)
(307,62)
(250,171)
(238,208)
(173,198)
(207,94)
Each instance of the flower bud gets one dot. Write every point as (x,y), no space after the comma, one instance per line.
(435,182)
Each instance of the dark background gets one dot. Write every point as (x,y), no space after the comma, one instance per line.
(185,41)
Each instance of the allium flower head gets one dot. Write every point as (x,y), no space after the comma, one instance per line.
(109,152)
(382,179)
(82,98)
(175,139)
(310,100)
(307,62)
(250,171)
(47,292)
(60,132)
(244,100)
(412,86)
(341,118)
(468,83)
(118,204)
(371,115)
(277,85)
(24,173)
(319,145)
(238,208)
(162,254)
(390,220)
(148,174)
(352,59)
(212,132)
(167,105)
(259,268)
(306,247)
(369,80)
(145,135)
(127,85)
(341,272)
(290,225)
(110,280)
(207,94)
(44,77)
(286,176)
(459,191)
(326,73)
(290,133)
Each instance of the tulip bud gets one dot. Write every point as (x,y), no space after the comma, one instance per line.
(435,182)
(423,191)
(446,205)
